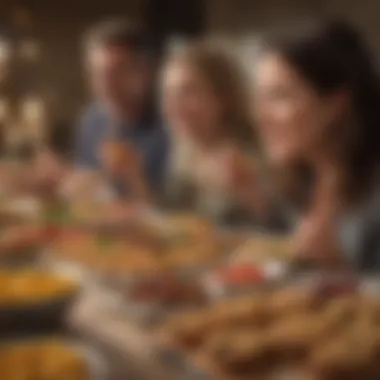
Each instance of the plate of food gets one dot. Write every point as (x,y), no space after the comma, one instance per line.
(260,249)
(180,225)
(21,243)
(27,208)
(113,260)
(234,279)
(33,299)
(284,333)
(50,359)
(153,299)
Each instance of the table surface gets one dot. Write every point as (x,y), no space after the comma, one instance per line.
(128,347)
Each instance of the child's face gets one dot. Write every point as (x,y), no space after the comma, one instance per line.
(189,103)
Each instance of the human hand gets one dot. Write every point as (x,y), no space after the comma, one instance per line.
(120,159)
(48,172)
(316,243)
(243,181)
(240,173)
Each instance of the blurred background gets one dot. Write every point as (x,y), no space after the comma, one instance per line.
(41,77)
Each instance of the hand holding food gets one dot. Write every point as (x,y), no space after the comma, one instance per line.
(244,183)
(240,172)
(124,163)
(120,159)
(83,186)
(316,243)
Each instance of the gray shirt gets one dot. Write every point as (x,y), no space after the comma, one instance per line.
(360,233)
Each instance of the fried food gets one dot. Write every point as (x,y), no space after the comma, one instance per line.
(343,359)
(185,227)
(248,311)
(240,351)
(192,255)
(292,301)
(190,330)
(261,248)
(341,314)
(369,312)
(333,338)
(293,337)
(108,256)
(135,260)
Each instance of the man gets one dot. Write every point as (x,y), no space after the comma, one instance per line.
(119,65)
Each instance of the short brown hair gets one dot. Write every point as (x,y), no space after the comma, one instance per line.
(119,32)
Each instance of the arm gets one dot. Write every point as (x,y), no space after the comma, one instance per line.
(85,155)
(250,191)
(83,174)
(367,250)
(318,235)
(156,163)
(147,180)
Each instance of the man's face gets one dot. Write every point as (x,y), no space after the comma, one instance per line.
(118,78)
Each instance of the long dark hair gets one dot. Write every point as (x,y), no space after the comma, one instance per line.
(332,56)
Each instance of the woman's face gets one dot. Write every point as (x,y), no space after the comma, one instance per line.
(190,105)
(291,116)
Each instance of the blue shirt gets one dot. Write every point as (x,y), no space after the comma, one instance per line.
(147,136)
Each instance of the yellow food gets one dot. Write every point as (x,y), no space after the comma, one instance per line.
(261,248)
(18,287)
(47,360)
(142,252)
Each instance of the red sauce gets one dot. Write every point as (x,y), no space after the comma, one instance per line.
(241,275)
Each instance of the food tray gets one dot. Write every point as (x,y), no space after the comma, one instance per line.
(144,314)
(276,247)
(26,208)
(68,268)
(35,316)
(198,368)
(194,366)
(151,313)
(272,275)
(97,366)
(21,244)
(129,280)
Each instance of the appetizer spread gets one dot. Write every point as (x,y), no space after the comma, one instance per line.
(321,337)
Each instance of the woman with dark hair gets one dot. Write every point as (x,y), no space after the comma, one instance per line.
(318,115)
